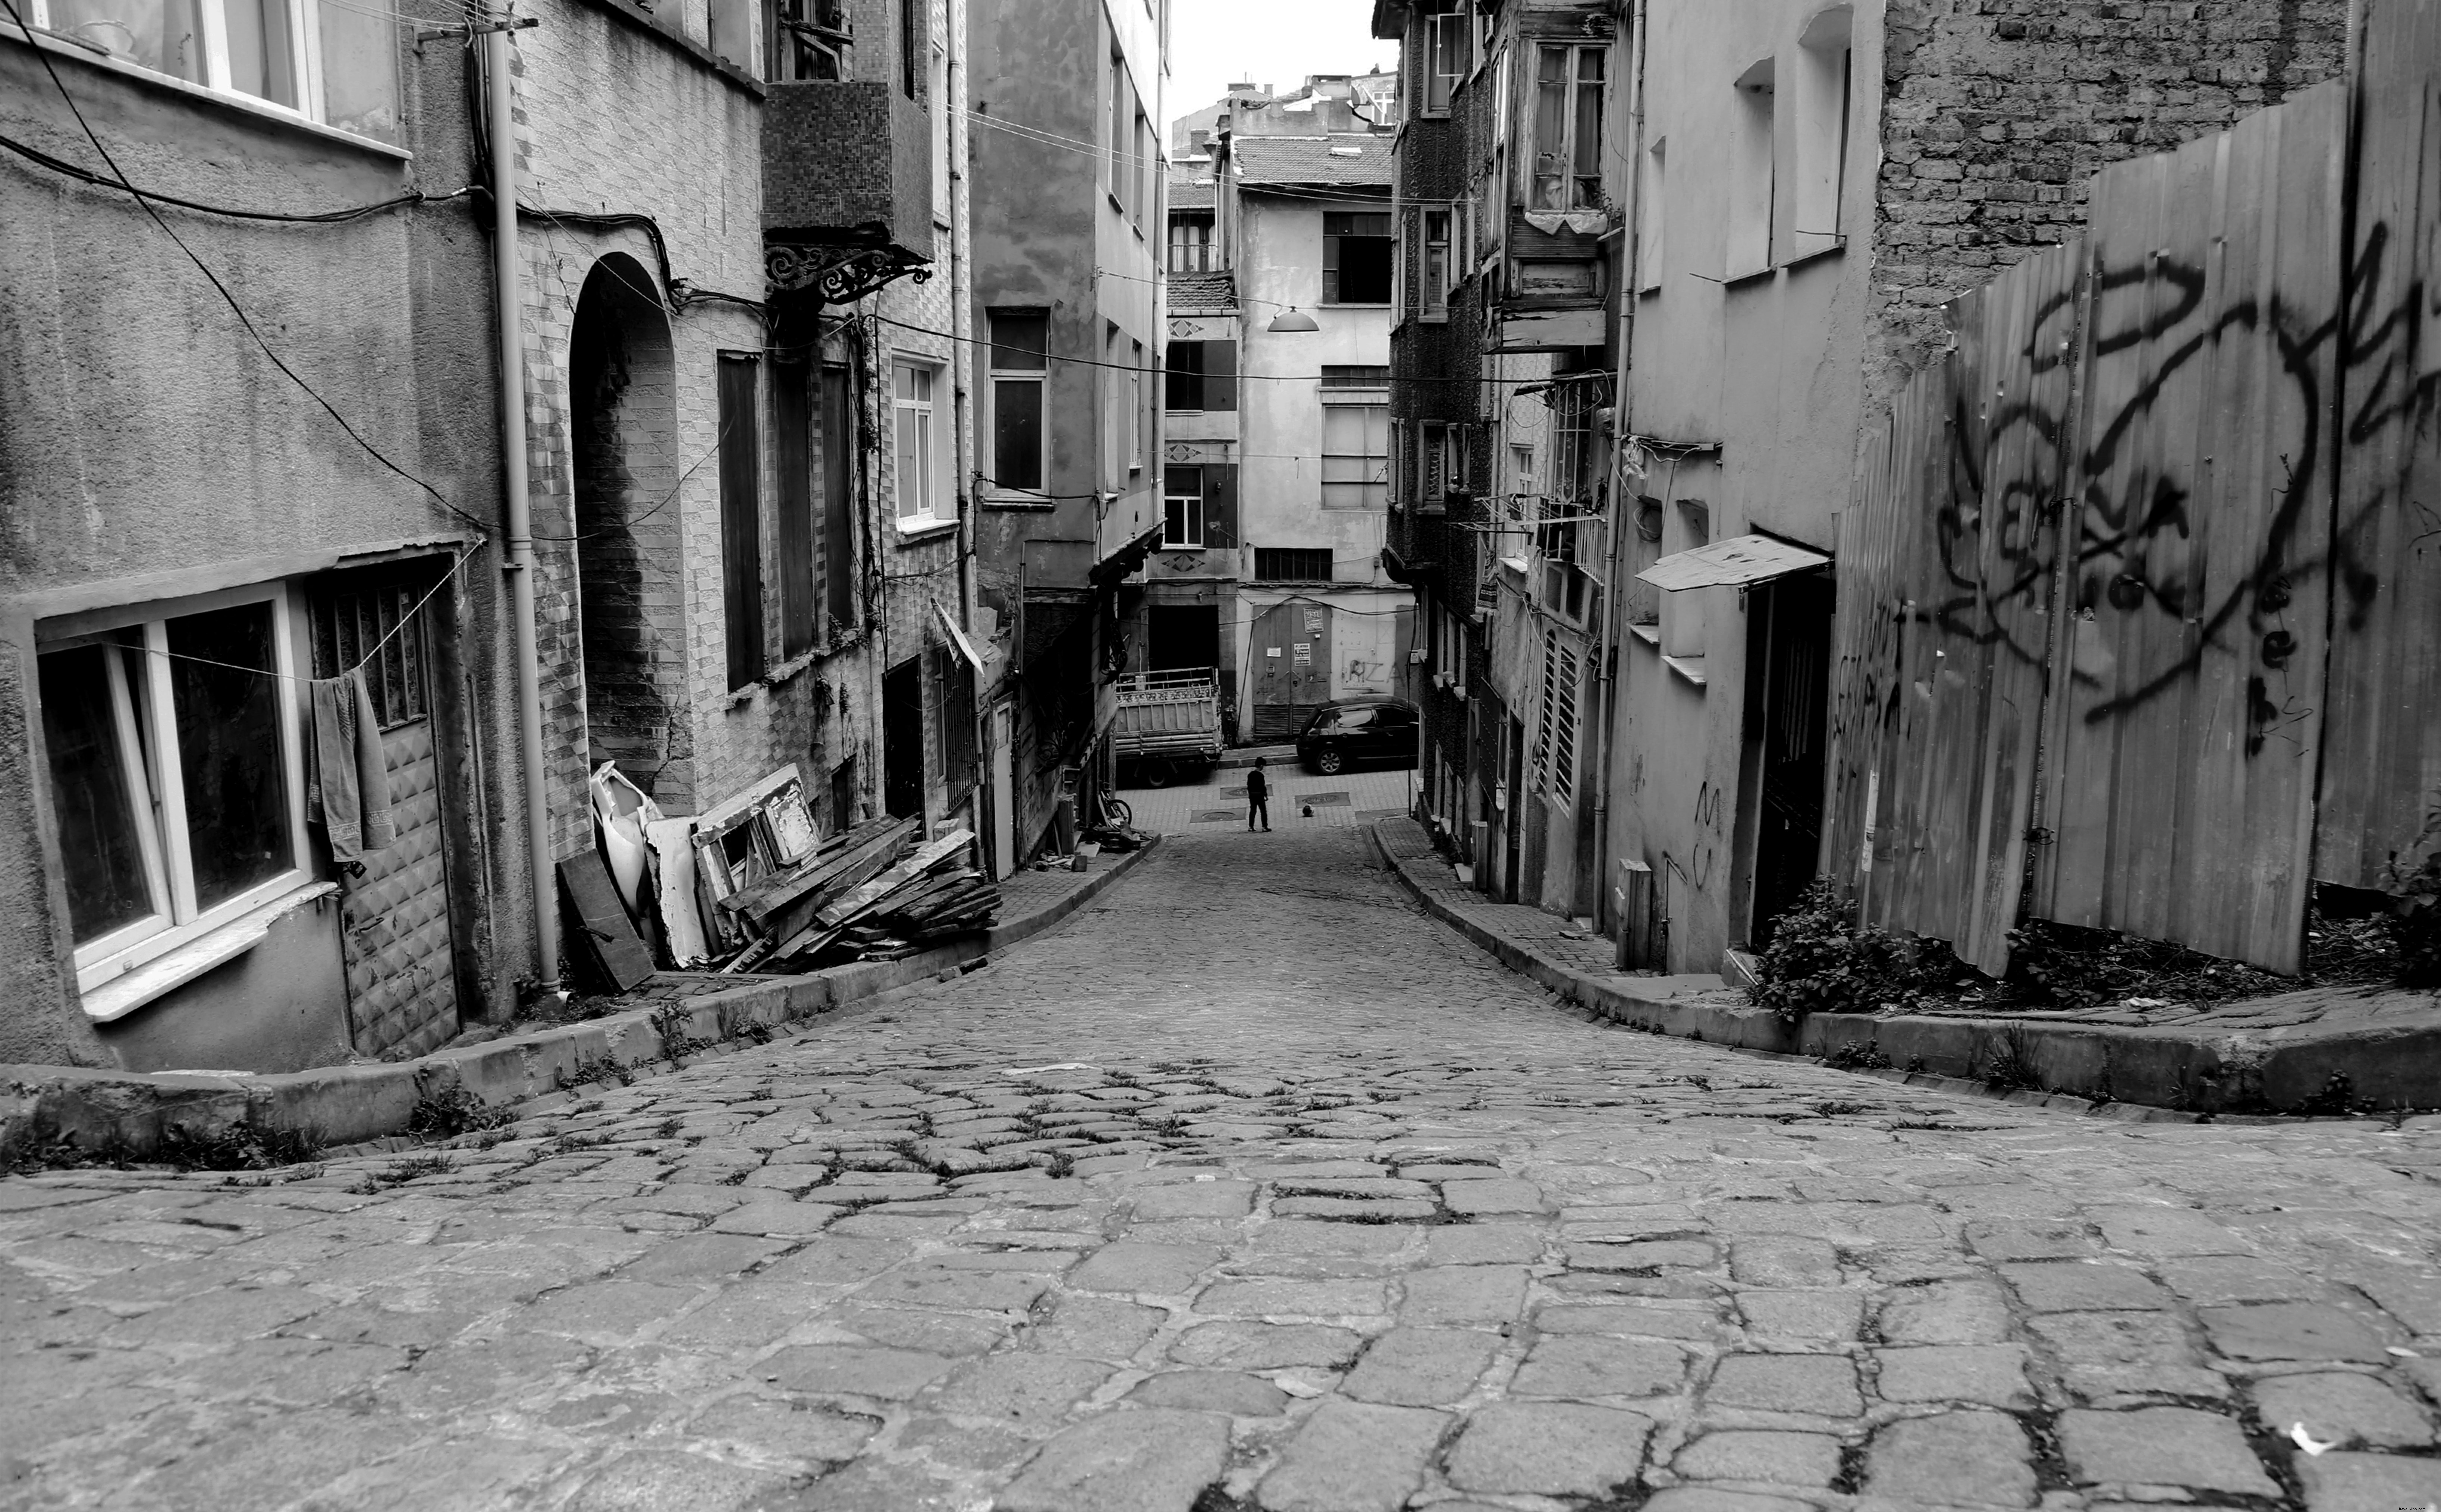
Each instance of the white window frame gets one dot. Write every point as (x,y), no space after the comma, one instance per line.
(1372,402)
(1139,434)
(1447,36)
(931,449)
(156,773)
(1191,539)
(304,57)
(1652,217)
(938,86)
(1040,378)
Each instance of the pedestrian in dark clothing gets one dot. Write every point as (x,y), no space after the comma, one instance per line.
(1259,798)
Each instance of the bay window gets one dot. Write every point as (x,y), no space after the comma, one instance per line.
(172,750)
(330,60)
(1567,145)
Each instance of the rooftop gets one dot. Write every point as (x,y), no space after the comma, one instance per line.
(1358,161)
(1202,293)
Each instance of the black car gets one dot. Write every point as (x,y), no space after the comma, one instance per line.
(1358,731)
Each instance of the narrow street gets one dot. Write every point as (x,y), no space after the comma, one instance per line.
(1250,1186)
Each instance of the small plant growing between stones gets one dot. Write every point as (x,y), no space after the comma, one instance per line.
(592,1069)
(398,1173)
(2008,1061)
(673,1024)
(245,1146)
(452,1111)
(1857,1055)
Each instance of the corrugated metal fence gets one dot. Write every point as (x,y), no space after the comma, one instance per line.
(2153,556)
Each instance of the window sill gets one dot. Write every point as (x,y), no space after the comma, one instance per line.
(164,974)
(1839,247)
(1353,304)
(1037,503)
(1649,634)
(916,530)
(1691,668)
(1748,278)
(229,100)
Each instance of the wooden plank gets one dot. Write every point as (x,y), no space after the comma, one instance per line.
(604,942)
(2382,758)
(850,866)
(849,906)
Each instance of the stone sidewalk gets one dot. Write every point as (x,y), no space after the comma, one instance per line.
(1253,1186)
(2320,1049)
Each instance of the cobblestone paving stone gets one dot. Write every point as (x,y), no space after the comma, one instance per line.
(1249,1187)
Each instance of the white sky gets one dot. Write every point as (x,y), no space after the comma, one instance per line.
(1213,44)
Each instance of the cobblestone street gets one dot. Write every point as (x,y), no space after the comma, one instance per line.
(1250,1187)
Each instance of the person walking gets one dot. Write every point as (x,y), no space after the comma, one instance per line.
(1259,798)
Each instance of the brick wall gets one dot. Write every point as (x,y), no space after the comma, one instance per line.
(1997,112)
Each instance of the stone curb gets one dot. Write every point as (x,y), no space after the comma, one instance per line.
(2113,1071)
(341,1106)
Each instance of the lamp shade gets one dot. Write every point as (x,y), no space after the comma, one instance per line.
(1293,318)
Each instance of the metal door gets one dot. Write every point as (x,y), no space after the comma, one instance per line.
(1292,657)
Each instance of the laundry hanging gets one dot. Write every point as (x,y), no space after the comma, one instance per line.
(347,791)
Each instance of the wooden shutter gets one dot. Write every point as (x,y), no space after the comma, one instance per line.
(1221,506)
(838,539)
(1219,375)
(792,418)
(741,518)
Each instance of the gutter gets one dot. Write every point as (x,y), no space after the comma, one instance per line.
(519,564)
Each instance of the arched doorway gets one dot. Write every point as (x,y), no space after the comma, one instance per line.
(622,423)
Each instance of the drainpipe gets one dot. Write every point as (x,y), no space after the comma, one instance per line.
(1619,515)
(520,562)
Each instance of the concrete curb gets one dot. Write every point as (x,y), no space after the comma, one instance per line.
(340,1105)
(2169,1074)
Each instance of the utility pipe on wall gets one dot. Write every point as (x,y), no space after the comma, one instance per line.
(498,106)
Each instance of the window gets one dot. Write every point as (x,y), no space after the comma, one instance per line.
(940,104)
(1182,389)
(741,517)
(1521,469)
(1139,434)
(174,770)
(911,42)
(1567,128)
(1448,46)
(1020,341)
(330,60)
(1190,244)
(1575,460)
(1822,90)
(1120,115)
(792,451)
(1292,564)
(956,677)
(1437,264)
(838,538)
(371,612)
(917,448)
(1355,456)
(1751,186)
(1651,196)
(809,39)
(1356,257)
(1344,375)
(1144,170)
(1436,462)
(1182,490)
(1555,737)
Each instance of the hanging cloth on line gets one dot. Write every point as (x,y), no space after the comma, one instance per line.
(348,787)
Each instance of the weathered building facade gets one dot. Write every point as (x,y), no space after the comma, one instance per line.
(744,416)
(1066,311)
(1730,231)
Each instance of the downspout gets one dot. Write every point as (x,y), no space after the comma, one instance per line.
(1615,511)
(519,566)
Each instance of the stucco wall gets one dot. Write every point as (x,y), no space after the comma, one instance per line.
(151,450)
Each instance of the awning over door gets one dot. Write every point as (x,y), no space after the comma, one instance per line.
(1738,562)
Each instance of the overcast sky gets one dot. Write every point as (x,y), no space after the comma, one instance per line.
(1213,44)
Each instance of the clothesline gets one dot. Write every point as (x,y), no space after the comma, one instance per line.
(360,663)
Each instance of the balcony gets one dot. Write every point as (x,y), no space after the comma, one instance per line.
(847,160)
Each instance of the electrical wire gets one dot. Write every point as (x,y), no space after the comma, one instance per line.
(1121,367)
(238,309)
(360,663)
(357,212)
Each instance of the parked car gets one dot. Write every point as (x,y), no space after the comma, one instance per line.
(1360,732)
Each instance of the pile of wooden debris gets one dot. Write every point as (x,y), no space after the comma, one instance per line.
(752,885)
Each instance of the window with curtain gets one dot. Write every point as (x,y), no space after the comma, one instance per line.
(1567,128)
(329,60)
